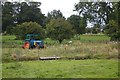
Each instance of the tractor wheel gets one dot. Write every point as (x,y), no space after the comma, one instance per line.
(26,45)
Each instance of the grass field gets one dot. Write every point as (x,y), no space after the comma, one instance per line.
(94,46)
(77,50)
(9,40)
(96,54)
(94,38)
(62,69)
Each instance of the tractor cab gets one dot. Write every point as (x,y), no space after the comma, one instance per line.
(31,37)
(33,41)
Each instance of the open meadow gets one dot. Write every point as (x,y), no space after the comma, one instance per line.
(88,56)
(62,69)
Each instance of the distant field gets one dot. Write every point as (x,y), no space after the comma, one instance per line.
(94,38)
(9,40)
(62,69)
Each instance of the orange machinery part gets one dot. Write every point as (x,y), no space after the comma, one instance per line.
(26,45)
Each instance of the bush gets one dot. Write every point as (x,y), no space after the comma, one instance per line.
(29,28)
(59,29)
(112,30)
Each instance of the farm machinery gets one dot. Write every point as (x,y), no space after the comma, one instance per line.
(32,41)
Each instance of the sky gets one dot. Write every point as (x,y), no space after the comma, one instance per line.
(65,6)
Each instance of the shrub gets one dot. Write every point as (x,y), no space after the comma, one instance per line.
(59,29)
(29,28)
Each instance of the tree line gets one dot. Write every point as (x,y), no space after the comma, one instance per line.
(26,17)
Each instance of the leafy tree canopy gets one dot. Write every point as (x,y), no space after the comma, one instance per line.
(78,22)
(97,12)
(17,13)
(29,28)
(7,15)
(59,29)
(54,15)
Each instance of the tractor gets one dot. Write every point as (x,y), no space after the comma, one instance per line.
(32,41)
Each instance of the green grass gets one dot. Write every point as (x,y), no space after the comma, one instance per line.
(8,41)
(62,69)
(8,37)
(94,38)
(84,48)
(77,49)
(0,57)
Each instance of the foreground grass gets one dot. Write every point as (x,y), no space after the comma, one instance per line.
(62,69)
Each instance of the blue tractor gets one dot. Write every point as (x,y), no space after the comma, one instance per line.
(32,41)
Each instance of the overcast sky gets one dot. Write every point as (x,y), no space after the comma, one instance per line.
(65,6)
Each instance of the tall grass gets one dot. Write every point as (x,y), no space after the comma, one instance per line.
(76,50)
(88,47)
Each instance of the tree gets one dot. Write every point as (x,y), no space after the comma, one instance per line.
(96,29)
(59,29)
(102,13)
(29,28)
(26,12)
(54,15)
(83,25)
(118,32)
(7,15)
(78,22)
(97,12)
(111,29)
(88,30)
(18,12)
